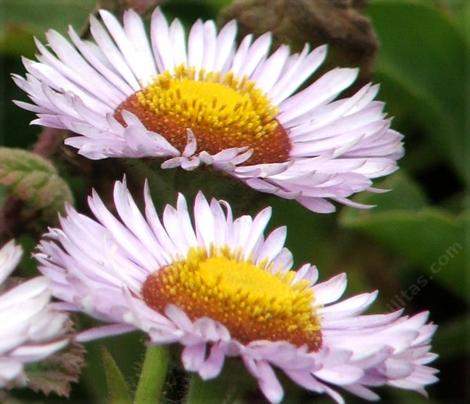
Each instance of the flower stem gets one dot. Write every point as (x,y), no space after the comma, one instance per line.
(152,376)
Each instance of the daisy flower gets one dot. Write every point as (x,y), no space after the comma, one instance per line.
(199,99)
(219,288)
(30,330)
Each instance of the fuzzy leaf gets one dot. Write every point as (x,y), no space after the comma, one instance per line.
(35,181)
(118,390)
(56,373)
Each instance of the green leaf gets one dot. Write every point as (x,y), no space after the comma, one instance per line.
(20,20)
(2,195)
(228,387)
(428,237)
(118,390)
(404,194)
(152,376)
(449,337)
(35,181)
(219,4)
(208,392)
(93,377)
(463,17)
(188,11)
(422,71)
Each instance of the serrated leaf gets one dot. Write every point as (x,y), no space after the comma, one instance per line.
(35,181)
(428,237)
(118,390)
(56,373)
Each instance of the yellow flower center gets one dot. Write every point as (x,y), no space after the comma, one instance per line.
(251,301)
(222,111)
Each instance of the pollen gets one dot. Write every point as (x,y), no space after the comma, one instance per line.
(223,111)
(250,300)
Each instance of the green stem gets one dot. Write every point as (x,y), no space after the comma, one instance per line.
(152,376)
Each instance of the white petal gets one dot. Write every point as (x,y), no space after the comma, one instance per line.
(10,255)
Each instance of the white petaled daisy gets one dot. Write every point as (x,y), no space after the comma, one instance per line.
(221,289)
(30,330)
(200,99)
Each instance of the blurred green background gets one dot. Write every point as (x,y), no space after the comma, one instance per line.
(412,246)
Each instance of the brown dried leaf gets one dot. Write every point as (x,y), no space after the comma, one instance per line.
(58,372)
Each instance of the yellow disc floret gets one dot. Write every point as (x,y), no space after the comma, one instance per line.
(233,106)
(250,300)
(222,110)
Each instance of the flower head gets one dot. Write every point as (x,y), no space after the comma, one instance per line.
(30,330)
(219,288)
(200,99)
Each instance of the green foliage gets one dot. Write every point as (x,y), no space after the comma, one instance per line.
(93,377)
(153,375)
(428,237)
(189,11)
(421,69)
(229,387)
(35,181)
(2,195)
(118,390)
(448,341)
(20,20)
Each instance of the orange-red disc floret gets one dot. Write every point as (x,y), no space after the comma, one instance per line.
(221,110)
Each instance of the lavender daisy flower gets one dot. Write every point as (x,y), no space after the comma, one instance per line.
(219,288)
(200,99)
(30,330)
